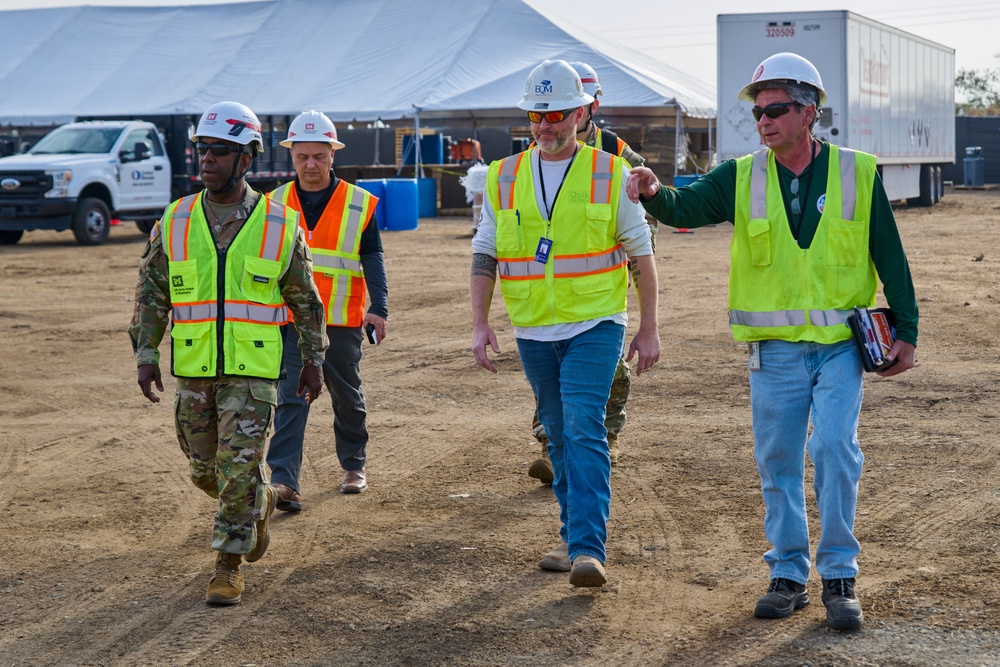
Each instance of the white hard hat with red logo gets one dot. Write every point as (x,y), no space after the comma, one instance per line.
(312,126)
(588,77)
(784,67)
(230,121)
(553,86)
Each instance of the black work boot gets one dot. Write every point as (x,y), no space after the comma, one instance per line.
(843,610)
(782,598)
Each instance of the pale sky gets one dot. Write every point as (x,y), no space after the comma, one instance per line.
(681,33)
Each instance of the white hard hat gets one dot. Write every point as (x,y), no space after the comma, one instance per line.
(784,67)
(553,86)
(230,121)
(588,77)
(312,126)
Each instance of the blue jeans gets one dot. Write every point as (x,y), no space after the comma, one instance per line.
(572,381)
(794,380)
(343,380)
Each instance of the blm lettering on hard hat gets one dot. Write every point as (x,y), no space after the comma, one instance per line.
(543,87)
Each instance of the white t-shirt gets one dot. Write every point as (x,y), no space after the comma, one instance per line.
(631,231)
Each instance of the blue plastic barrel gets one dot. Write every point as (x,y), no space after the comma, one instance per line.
(376,186)
(428,194)
(431,149)
(401,206)
(681,180)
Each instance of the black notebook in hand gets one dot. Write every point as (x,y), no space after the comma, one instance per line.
(874,331)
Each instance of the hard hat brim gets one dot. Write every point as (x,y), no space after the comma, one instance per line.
(287,143)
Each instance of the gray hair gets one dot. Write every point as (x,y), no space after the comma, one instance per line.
(800,93)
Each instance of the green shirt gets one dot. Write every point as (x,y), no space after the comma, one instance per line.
(712,199)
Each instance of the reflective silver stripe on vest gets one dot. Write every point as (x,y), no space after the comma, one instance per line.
(600,185)
(279,192)
(829,318)
(848,183)
(525,268)
(773,318)
(354,209)
(758,185)
(336,314)
(256,312)
(194,312)
(330,263)
(274,232)
(565,267)
(179,226)
(505,180)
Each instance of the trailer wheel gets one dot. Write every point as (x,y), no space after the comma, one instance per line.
(938,184)
(927,187)
(92,222)
(10,236)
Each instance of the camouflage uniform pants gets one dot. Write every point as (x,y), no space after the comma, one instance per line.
(222,426)
(614,411)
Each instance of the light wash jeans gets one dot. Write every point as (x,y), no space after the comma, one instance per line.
(572,380)
(796,379)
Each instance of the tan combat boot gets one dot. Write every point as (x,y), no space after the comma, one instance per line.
(541,469)
(263,536)
(226,586)
(613,450)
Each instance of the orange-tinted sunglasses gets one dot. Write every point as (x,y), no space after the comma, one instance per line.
(553,116)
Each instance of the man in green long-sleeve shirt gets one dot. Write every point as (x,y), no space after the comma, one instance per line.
(813,235)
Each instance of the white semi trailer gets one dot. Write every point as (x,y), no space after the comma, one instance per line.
(891,93)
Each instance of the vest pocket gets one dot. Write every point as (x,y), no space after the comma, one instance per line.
(759,240)
(257,351)
(259,282)
(846,243)
(509,236)
(183,280)
(193,349)
(600,235)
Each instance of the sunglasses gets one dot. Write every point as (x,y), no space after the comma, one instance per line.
(218,150)
(773,110)
(553,116)
(796,206)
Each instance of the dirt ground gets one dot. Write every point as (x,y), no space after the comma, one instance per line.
(104,542)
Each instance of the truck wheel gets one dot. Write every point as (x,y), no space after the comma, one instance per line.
(92,222)
(926,185)
(145,226)
(938,184)
(10,236)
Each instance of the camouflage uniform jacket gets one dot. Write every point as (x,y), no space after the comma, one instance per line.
(152,290)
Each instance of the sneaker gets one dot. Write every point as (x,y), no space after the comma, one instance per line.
(843,610)
(226,586)
(783,597)
(541,470)
(587,572)
(556,560)
(263,536)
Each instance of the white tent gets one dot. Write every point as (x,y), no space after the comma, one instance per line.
(353,59)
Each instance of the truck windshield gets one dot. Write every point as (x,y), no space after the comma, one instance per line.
(77,140)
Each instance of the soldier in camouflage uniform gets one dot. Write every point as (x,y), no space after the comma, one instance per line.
(591,135)
(222,421)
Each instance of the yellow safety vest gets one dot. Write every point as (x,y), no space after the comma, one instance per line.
(777,289)
(336,249)
(585,276)
(241,324)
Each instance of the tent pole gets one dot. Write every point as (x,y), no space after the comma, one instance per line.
(677,136)
(708,165)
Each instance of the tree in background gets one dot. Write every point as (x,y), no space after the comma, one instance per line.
(980,87)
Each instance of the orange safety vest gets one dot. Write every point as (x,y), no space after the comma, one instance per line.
(336,245)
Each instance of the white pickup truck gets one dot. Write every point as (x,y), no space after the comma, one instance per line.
(83,175)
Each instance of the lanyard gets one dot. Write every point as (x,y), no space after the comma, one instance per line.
(541,177)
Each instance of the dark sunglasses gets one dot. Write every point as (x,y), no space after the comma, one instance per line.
(218,150)
(773,110)
(553,116)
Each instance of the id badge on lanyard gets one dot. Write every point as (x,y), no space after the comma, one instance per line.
(543,249)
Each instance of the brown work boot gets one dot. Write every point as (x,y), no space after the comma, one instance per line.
(355,481)
(541,469)
(263,536)
(556,560)
(613,450)
(587,572)
(226,586)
